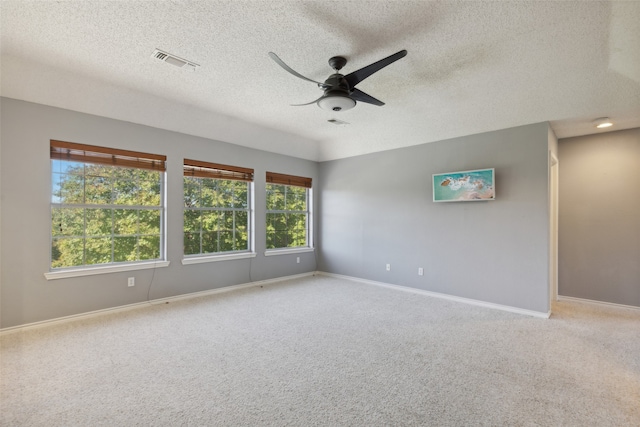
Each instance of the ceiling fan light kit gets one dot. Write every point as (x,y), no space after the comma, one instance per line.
(602,122)
(340,93)
(337,101)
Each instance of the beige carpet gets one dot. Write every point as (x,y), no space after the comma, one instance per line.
(324,351)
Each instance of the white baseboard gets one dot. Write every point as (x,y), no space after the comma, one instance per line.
(281,279)
(444,296)
(134,306)
(594,302)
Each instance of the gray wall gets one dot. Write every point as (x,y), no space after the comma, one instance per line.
(378,209)
(370,210)
(599,235)
(26,296)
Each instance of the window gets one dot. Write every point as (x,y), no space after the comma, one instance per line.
(288,212)
(107,205)
(217,208)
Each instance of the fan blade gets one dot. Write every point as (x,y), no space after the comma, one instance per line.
(359,95)
(361,74)
(281,63)
(308,103)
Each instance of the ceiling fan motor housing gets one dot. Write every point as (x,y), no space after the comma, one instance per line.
(337,82)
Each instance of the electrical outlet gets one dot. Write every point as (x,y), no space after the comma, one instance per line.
(388,267)
(420,271)
(131,281)
(297,260)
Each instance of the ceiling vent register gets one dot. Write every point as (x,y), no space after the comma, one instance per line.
(174,60)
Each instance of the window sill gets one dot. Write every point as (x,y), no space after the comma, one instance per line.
(286,251)
(216,258)
(63,274)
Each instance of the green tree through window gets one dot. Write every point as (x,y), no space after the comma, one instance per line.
(103,214)
(216,208)
(287,219)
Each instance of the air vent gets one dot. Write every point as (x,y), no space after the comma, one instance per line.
(337,122)
(174,60)
(159,55)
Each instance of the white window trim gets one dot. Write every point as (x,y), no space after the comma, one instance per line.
(310,217)
(88,270)
(207,257)
(285,251)
(252,219)
(77,272)
(215,258)
(309,212)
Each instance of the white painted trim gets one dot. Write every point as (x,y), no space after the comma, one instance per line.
(133,306)
(510,309)
(228,288)
(553,192)
(273,252)
(66,319)
(601,303)
(215,258)
(63,274)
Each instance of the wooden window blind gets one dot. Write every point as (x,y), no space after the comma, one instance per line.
(202,169)
(70,151)
(280,178)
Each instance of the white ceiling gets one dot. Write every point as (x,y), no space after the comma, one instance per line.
(472,67)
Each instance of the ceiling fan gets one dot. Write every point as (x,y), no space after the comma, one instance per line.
(340,93)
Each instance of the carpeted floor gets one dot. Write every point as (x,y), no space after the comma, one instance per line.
(325,351)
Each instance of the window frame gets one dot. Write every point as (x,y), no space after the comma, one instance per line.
(216,171)
(273,178)
(109,157)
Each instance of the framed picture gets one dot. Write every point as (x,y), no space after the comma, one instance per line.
(464,186)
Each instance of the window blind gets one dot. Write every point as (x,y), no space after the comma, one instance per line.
(202,169)
(71,151)
(280,178)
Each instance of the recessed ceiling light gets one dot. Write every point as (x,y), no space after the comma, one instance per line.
(602,122)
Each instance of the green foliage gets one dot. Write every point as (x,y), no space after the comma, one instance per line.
(288,227)
(103,214)
(216,215)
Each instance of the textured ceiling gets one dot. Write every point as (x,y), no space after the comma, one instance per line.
(472,67)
